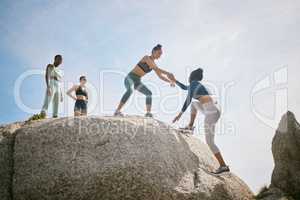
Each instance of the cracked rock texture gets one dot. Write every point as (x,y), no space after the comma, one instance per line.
(95,158)
(7,135)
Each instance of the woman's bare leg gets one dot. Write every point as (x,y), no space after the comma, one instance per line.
(212,114)
(148,108)
(144,90)
(192,118)
(220,159)
(77,113)
(128,83)
(120,106)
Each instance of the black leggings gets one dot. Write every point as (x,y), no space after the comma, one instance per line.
(135,80)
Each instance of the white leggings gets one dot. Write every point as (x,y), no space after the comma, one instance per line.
(212,115)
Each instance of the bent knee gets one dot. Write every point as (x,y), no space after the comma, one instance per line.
(148,93)
(129,91)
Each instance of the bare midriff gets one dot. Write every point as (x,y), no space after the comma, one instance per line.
(205,99)
(138,71)
(81,97)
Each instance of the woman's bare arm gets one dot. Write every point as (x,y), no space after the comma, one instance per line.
(162,74)
(70,91)
(47,76)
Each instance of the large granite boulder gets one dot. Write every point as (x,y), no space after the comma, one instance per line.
(131,158)
(285,183)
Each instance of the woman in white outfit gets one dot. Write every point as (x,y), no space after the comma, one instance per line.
(206,105)
(53,92)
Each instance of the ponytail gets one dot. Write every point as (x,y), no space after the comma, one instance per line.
(157,47)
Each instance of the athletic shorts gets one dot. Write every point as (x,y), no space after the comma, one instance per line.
(80,106)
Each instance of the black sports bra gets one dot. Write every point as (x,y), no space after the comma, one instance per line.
(80,91)
(144,66)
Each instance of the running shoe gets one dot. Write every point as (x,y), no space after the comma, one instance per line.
(222,169)
(149,115)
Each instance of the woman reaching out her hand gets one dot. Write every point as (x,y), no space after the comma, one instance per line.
(206,105)
(144,66)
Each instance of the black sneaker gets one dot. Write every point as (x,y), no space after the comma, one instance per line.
(187,128)
(118,114)
(222,169)
(149,115)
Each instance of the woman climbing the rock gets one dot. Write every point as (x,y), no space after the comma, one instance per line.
(144,66)
(81,98)
(206,105)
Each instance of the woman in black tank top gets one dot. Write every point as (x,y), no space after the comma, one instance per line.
(144,66)
(133,79)
(81,97)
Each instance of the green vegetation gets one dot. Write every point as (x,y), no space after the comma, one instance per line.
(36,117)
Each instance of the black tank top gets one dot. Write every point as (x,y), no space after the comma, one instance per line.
(145,67)
(81,91)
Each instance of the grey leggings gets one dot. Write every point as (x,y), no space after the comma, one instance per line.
(135,80)
(212,115)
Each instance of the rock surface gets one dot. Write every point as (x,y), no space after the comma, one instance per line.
(273,193)
(110,158)
(285,183)
(286,152)
(6,159)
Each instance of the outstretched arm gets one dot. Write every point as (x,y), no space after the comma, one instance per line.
(162,74)
(186,104)
(69,92)
(165,76)
(181,85)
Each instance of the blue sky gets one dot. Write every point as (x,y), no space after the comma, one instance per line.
(238,44)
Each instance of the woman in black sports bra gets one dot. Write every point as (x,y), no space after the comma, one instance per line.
(145,66)
(81,97)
